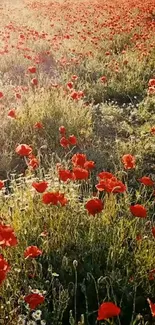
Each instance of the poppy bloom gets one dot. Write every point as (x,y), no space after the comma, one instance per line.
(18,96)
(152,307)
(152,131)
(4,268)
(38,125)
(23,150)
(80,173)
(54,198)
(146,181)
(151,275)
(70,85)
(79,159)
(72,140)
(40,187)
(80,94)
(139,237)
(65,175)
(1,184)
(89,164)
(74,77)
(64,142)
(32,252)
(34,81)
(94,206)
(103,79)
(138,210)
(12,113)
(1,95)
(62,129)
(33,163)
(128,161)
(74,95)
(7,236)
(107,310)
(62,200)
(151,90)
(50,198)
(32,69)
(111,185)
(153,231)
(34,299)
(151,83)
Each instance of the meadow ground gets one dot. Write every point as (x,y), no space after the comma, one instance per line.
(77,163)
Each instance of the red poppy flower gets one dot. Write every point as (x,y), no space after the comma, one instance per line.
(70,85)
(74,77)
(128,161)
(76,95)
(32,252)
(151,275)
(7,236)
(33,163)
(32,69)
(138,210)
(107,310)
(153,231)
(103,79)
(89,164)
(64,142)
(146,181)
(62,199)
(72,140)
(1,184)
(38,125)
(34,81)
(62,129)
(4,268)
(111,185)
(54,198)
(79,159)
(151,83)
(12,113)
(80,94)
(152,131)
(80,173)
(152,307)
(1,95)
(151,90)
(23,150)
(139,237)
(34,299)
(94,206)
(18,96)
(65,175)
(40,187)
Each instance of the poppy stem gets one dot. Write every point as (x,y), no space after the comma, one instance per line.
(75,295)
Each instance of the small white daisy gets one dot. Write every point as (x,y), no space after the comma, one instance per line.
(37,314)
(31,322)
(43,322)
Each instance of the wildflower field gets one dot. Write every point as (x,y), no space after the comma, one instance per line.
(77,162)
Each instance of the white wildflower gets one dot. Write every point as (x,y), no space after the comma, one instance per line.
(37,314)
(31,322)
